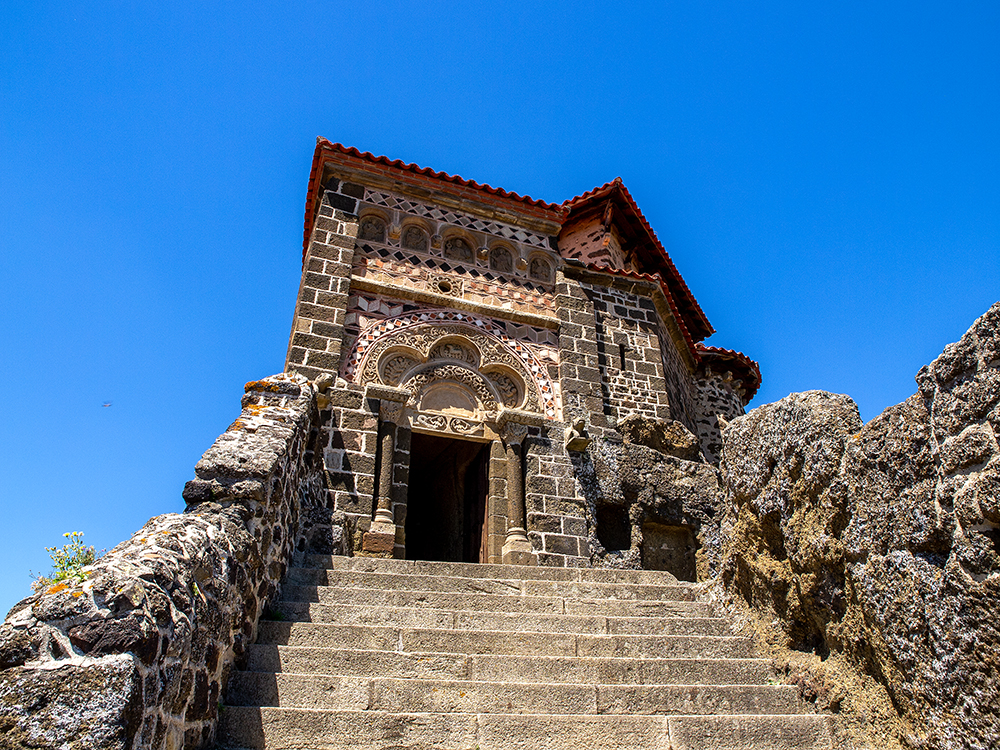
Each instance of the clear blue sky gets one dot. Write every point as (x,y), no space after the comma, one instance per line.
(825,177)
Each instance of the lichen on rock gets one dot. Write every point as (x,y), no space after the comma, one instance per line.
(880,544)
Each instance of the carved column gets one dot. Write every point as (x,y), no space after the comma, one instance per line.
(381,539)
(516,548)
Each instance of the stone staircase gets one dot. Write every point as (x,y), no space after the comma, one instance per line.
(368,653)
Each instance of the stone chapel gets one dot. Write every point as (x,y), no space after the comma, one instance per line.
(470,343)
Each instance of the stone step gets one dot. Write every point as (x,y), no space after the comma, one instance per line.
(460,619)
(461,696)
(285,729)
(495,602)
(382,638)
(572,589)
(502,668)
(477,570)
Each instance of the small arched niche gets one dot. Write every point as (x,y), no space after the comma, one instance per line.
(372,228)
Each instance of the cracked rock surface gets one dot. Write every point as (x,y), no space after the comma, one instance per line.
(881,542)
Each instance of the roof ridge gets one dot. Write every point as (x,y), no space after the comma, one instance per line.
(429,172)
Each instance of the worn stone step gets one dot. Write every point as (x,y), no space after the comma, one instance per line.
(385,581)
(477,570)
(422,617)
(383,638)
(504,668)
(463,696)
(495,602)
(285,729)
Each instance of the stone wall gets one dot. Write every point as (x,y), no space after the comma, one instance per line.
(634,491)
(556,515)
(880,543)
(321,308)
(717,396)
(136,656)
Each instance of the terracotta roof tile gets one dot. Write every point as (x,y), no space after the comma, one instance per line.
(742,366)
(695,315)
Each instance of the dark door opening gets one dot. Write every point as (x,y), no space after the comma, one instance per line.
(446,500)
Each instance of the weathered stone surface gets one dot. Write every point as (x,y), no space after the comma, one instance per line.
(136,654)
(94,706)
(672,438)
(641,485)
(881,542)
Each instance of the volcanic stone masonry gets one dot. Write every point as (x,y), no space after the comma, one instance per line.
(475,376)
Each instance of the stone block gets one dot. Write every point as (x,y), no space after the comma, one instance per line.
(541,522)
(574,526)
(561,544)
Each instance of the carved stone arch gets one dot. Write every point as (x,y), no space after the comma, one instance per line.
(394,351)
(440,385)
(508,383)
(396,363)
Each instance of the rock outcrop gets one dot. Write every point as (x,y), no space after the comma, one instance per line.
(880,543)
(633,488)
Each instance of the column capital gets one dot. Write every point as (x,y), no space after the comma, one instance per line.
(391,412)
(513,424)
(514,433)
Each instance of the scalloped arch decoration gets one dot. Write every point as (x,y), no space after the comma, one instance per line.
(362,364)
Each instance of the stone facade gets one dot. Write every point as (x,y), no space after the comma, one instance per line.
(465,311)
(465,369)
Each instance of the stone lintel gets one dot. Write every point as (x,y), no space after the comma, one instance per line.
(387,393)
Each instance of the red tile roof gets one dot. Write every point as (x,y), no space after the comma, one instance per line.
(694,316)
(336,152)
(738,363)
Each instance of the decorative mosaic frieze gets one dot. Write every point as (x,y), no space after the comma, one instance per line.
(436,213)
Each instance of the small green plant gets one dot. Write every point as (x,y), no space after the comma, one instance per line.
(68,563)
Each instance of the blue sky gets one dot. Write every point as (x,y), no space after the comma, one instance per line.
(825,178)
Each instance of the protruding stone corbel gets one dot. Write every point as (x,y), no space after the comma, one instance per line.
(577,438)
(513,424)
(380,540)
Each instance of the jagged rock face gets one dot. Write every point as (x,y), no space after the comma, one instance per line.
(882,541)
(671,438)
(782,529)
(648,489)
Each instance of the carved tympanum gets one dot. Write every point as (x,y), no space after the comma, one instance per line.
(510,393)
(415,238)
(372,228)
(393,368)
(454,350)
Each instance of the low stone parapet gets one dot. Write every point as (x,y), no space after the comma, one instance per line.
(137,654)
